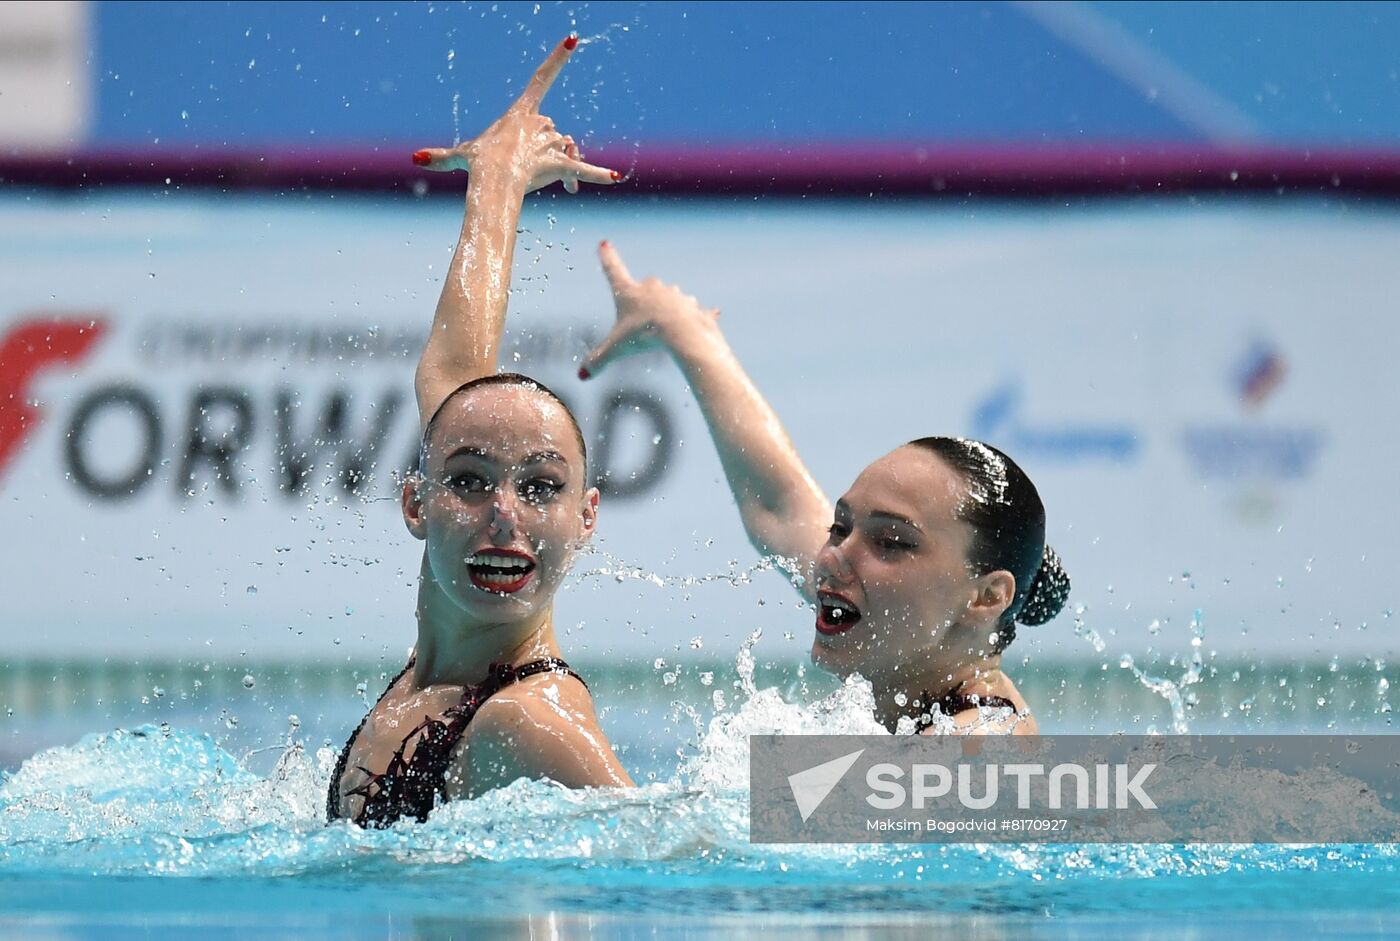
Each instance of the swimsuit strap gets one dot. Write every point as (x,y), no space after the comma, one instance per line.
(543,665)
(333,793)
(955,701)
(412,786)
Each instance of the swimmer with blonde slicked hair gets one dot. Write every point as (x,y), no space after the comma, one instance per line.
(920,573)
(502,501)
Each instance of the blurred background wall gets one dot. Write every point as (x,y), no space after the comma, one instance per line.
(1148,249)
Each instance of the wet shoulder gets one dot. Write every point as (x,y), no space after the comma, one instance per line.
(545,700)
(540,727)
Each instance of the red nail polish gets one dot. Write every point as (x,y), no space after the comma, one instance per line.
(422,158)
(571,42)
(603,243)
(583,372)
(616,176)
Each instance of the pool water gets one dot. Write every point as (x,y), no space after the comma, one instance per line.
(198,822)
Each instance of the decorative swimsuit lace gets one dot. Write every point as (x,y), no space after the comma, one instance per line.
(412,787)
(957,701)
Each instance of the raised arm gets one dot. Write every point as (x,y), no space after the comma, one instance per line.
(519,153)
(784,511)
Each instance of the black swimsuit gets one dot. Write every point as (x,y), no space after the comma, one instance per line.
(955,701)
(411,788)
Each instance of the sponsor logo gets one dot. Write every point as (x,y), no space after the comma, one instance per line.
(27,349)
(1252,455)
(186,422)
(1258,373)
(997,418)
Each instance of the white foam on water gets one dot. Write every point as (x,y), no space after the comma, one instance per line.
(168,802)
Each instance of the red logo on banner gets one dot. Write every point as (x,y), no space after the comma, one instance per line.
(30,347)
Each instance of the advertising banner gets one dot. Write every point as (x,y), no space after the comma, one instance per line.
(207,409)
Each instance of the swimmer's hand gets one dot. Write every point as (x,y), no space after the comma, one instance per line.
(650,314)
(784,511)
(524,143)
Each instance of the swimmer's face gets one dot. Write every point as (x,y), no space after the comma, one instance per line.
(892,579)
(502,502)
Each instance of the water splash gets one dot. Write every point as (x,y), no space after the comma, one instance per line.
(1174,691)
(170,803)
(619,570)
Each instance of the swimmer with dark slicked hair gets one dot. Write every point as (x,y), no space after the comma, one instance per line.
(924,568)
(502,500)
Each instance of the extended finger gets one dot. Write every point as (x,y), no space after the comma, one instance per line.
(603,353)
(440,158)
(545,75)
(616,272)
(589,173)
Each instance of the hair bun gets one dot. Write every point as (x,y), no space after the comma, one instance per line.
(1048,592)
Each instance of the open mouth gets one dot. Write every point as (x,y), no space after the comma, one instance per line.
(503,571)
(835,613)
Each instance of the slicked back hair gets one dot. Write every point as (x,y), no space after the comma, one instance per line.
(501,379)
(1007,519)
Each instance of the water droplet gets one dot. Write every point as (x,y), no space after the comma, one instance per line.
(252,589)
(900,699)
(248,681)
(707,679)
(157,692)
(696,643)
